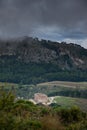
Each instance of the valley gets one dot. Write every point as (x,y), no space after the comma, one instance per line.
(66,94)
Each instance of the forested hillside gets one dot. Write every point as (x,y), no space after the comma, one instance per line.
(29,60)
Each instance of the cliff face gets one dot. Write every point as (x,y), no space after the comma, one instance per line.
(66,56)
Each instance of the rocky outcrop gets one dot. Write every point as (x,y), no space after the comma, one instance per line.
(66,56)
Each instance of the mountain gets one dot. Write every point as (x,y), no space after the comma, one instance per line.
(30,60)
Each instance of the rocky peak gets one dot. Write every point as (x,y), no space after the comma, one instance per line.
(30,49)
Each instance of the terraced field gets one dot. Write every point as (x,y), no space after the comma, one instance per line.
(81,85)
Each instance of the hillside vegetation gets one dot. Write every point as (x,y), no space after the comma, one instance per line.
(68,93)
(24,115)
(29,60)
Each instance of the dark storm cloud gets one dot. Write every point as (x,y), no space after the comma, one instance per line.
(24,17)
(67,14)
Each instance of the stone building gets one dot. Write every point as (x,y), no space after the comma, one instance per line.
(41,98)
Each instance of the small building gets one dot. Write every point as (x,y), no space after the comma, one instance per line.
(41,98)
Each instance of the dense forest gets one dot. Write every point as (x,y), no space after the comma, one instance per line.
(13,70)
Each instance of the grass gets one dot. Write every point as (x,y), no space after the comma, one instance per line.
(69,102)
(65,101)
(2,84)
(81,85)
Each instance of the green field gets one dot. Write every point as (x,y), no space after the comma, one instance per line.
(67,102)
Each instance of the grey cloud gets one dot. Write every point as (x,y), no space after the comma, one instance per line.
(23,17)
(69,13)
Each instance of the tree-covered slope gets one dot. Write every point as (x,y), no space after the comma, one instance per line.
(29,60)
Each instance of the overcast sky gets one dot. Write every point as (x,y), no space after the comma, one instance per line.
(57,20)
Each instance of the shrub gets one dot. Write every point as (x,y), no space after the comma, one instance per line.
(51,123)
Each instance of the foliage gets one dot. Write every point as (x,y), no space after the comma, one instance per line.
(16,71)
(25,115)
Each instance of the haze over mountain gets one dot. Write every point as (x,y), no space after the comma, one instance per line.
(57,20)
(30,60)
(28,49)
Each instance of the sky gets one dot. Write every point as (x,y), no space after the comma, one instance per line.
(56,20)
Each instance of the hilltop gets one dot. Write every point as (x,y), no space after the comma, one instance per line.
(30,60)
